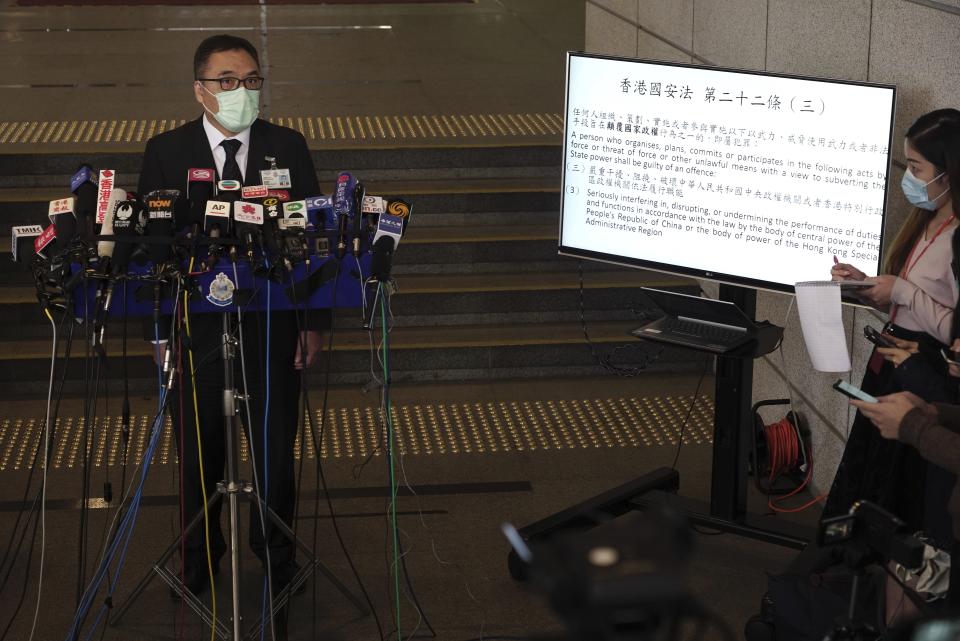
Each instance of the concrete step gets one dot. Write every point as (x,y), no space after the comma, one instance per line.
(447,299)
(482,291)
(417,353)
(469,160)
(435,202)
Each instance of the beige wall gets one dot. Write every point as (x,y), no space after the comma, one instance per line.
(909,43)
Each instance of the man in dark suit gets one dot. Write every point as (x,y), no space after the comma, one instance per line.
(230,138)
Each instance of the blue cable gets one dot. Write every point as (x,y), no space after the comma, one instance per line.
(124,528)
(124,531)
(156,344)
(266,478)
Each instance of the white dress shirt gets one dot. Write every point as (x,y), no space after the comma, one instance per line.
(220,154)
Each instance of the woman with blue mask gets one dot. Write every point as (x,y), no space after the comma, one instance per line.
(921,300)
(918,290)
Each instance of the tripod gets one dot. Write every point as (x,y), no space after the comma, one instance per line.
(232,489)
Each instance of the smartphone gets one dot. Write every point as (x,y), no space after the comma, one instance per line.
(877,338)
(847,389)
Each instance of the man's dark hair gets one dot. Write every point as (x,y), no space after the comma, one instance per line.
(216,44)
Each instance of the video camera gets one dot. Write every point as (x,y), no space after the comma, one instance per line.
(871,534)
(625,580)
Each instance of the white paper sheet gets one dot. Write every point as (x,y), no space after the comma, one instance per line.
(822,322)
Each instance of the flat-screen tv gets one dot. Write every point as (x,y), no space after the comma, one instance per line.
(744,177)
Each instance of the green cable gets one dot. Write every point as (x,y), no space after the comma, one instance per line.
(390,455)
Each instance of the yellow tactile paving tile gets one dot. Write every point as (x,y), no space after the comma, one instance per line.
(488,427)
(320,131)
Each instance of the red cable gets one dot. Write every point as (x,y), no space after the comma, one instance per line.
(783,448)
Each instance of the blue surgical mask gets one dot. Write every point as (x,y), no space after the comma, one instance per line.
(237,109)
(916,191)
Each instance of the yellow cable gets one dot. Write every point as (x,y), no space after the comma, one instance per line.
(203,482)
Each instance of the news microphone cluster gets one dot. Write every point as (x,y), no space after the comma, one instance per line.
(100,230)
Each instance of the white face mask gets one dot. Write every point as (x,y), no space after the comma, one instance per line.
(237,109)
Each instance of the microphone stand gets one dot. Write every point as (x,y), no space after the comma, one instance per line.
(233,488)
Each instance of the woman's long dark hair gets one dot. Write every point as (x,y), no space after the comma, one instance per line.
(936,136)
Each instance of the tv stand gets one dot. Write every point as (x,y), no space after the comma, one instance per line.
(733,427)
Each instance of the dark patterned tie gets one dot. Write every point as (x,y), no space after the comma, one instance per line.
(231,170)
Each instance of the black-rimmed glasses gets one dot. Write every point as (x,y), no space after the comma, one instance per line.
(229,83)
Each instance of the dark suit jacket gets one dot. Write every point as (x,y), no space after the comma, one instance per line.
(169,155)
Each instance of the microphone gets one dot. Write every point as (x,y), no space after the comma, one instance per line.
(216,224)
(21,241)
(228,191)
(401,208)
(61,214)
(294,216)
(371,209)
(104,190)
(373,205)
(200,189)
(83,185)
(254,192)
(43,243)
(294,222)
(161,205)
(271,217)
(390,228)
(343,209)
(296,210)
(122,225)
(105,247)
(124,222)
(248,218)
(359,192)
(319,208)
(230,186)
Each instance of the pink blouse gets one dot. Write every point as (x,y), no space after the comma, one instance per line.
(926,298)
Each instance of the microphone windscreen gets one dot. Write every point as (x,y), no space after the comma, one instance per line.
(161,216)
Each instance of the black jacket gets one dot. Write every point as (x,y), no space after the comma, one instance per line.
(171,154)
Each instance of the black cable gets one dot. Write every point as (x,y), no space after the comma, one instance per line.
(34,513)
(34,456)
(683,426)
(125,432)
(413,594)
(81,548)
(606,360)
(99,385)
(99,358)
(26,578)
(91,401)
(301,430)
(321,477)
(385,408)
